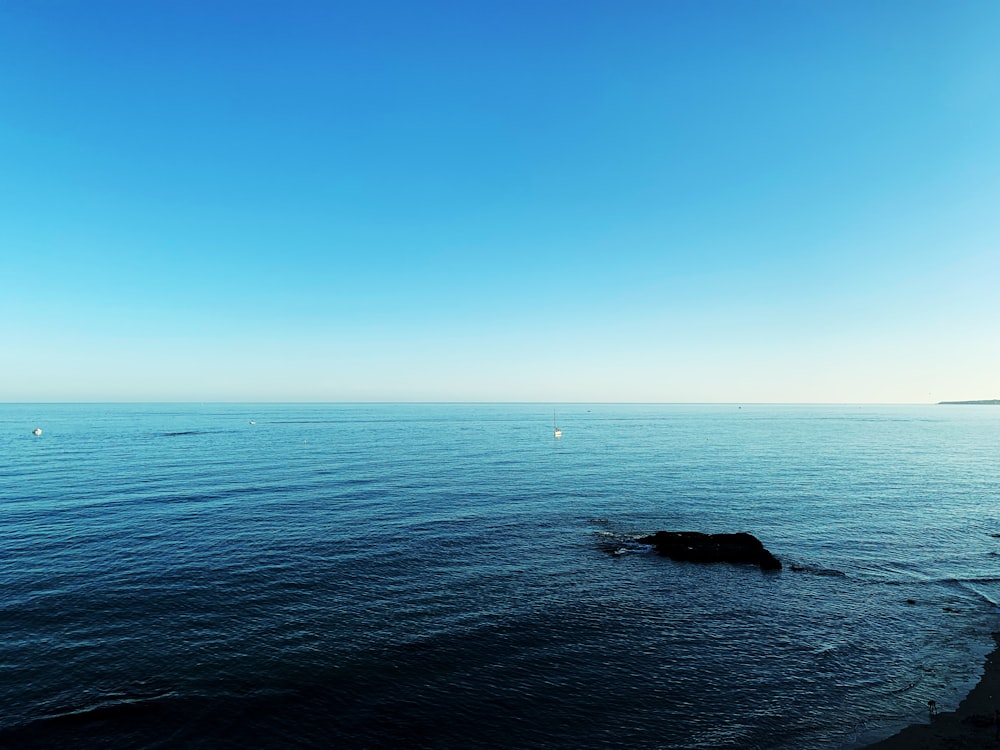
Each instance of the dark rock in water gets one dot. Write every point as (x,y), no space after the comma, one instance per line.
(693,546)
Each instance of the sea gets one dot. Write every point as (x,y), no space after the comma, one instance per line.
(454,576)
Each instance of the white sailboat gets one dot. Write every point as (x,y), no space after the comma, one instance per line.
(555,428)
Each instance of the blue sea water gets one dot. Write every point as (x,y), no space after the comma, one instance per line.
(442,576)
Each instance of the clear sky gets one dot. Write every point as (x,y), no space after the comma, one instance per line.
(508,200)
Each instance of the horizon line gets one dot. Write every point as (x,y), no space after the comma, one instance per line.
(497,402)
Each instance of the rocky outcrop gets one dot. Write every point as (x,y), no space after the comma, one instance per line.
(693,546)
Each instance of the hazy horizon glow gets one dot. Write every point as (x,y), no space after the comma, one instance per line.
(533,202)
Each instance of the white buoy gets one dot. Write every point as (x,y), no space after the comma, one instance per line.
(36,431)
(252,422)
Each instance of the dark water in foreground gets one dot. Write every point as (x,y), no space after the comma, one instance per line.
(436,576)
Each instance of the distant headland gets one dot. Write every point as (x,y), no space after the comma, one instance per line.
(987,401)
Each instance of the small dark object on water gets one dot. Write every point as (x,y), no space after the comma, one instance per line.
(932,707)
(694,546)
(911,601)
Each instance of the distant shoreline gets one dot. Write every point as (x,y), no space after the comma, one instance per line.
(982,402)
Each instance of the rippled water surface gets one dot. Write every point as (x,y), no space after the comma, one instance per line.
(441,576)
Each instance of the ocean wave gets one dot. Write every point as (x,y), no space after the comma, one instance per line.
(816,570)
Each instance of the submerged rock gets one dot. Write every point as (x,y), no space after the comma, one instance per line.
(694,546)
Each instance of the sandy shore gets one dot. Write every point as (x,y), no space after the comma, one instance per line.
(969,726)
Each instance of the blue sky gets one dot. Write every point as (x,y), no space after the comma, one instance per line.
(524,201)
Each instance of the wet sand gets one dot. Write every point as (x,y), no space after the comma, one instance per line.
(969,726)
